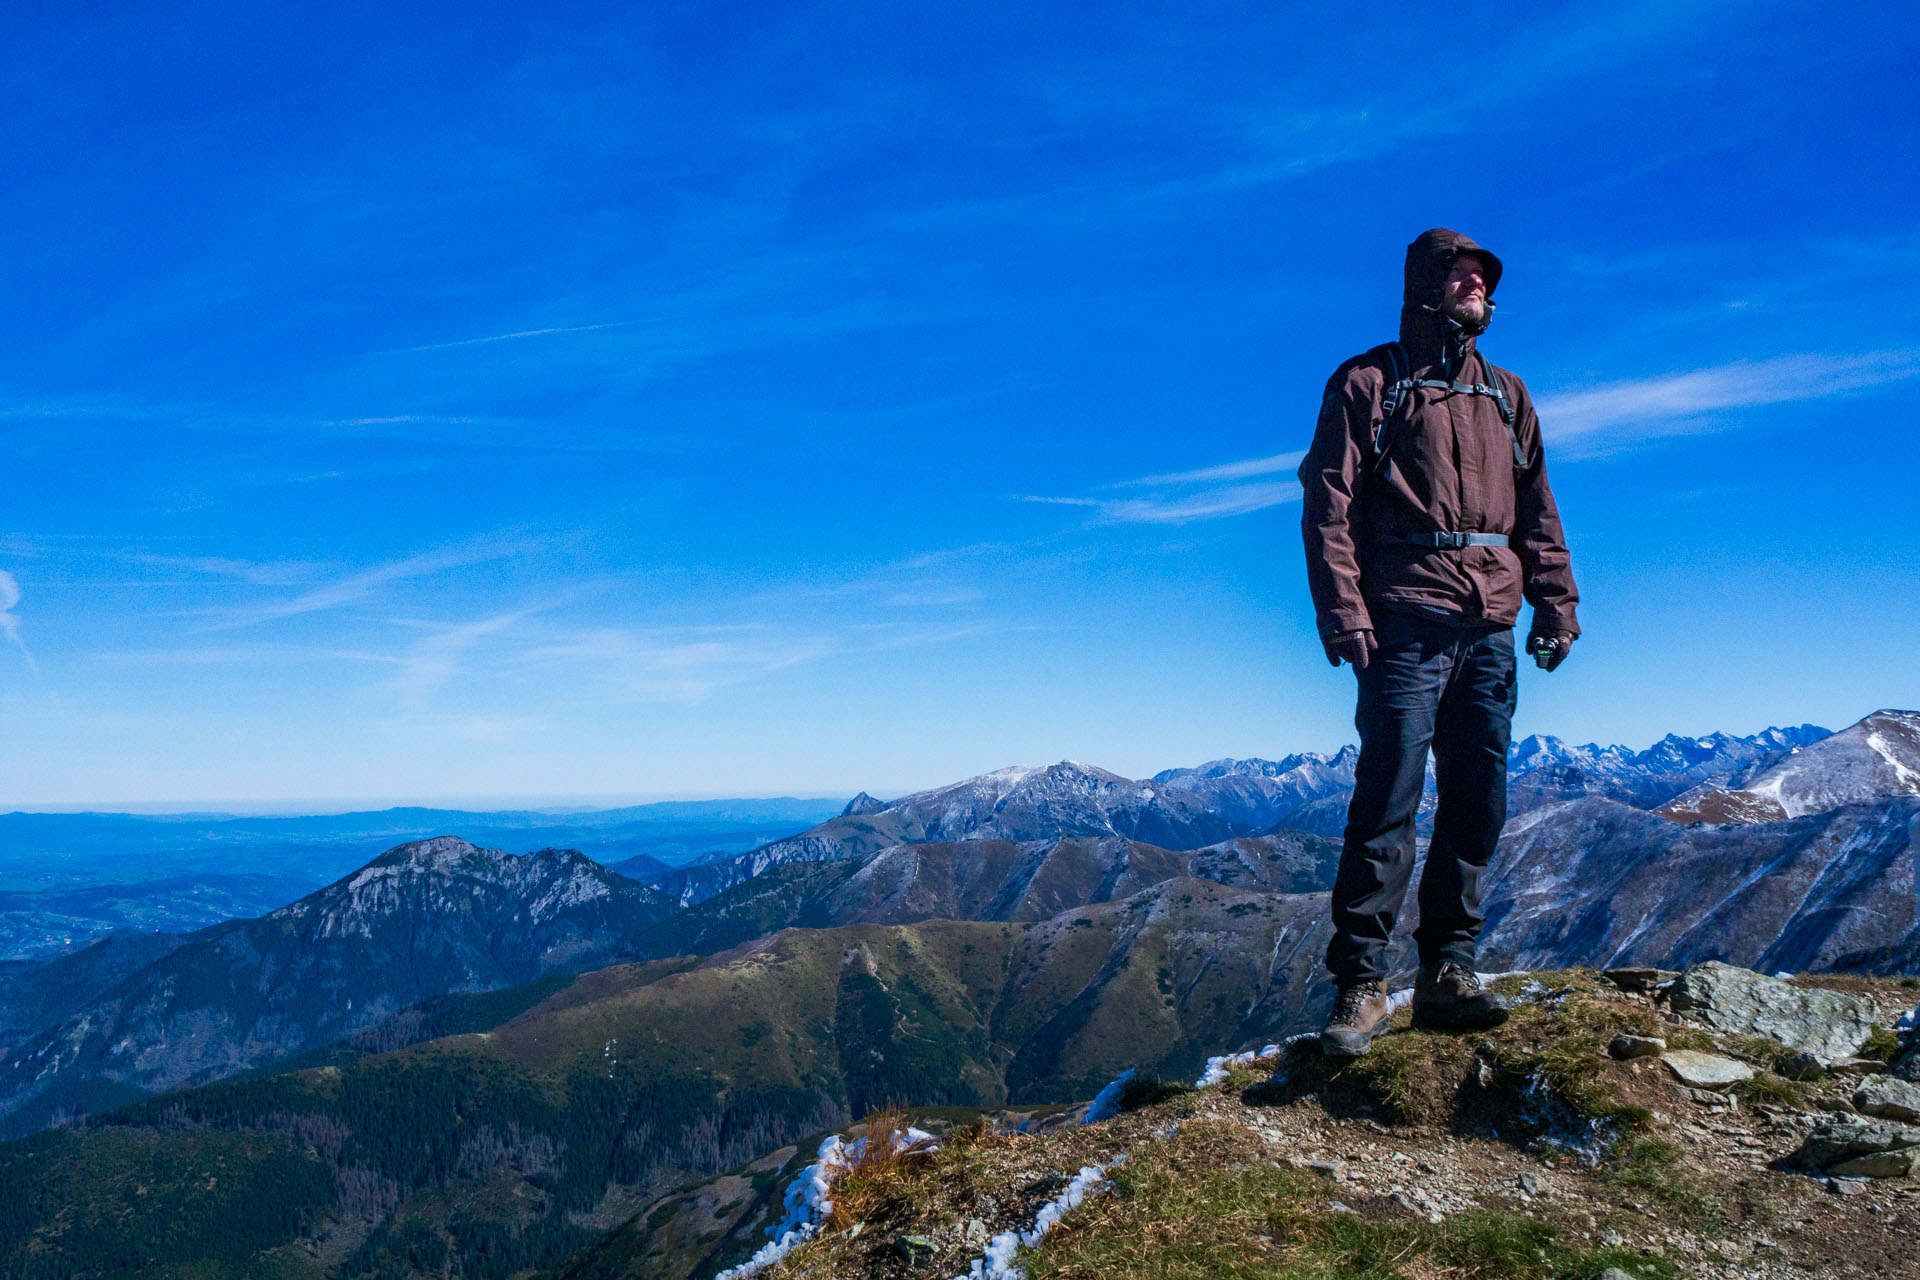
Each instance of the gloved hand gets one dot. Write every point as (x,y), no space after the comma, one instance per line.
(1549,648)
(1354,646)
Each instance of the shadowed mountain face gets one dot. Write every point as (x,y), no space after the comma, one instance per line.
(1599,883)
(983,880)
(422,920)
(35,994)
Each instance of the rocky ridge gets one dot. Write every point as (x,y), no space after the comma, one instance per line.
(1531,1151)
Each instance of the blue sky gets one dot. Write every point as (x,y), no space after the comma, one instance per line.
(704,399)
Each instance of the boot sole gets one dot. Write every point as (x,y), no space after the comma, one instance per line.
(1434,1020)
(1331,1047)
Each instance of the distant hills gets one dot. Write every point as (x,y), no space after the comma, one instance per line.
(422,920)
(66,878)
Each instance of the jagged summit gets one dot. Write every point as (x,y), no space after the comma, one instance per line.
(861,805)
(1878,756)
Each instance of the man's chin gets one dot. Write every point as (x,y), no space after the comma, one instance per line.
(1473,319)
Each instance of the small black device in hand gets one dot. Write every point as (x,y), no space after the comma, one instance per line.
(1543,648)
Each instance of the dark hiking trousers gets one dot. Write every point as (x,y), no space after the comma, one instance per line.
(1450,686)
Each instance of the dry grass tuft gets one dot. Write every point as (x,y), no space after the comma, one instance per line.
(887,1164)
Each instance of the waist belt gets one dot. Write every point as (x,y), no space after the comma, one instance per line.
(1454,541)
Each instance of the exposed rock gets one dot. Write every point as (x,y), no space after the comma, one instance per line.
(1836,1146)
(1626,1046)
(1799,1066)
(1826,1024)
(1860,1066)
(1708,1098)
(1331,1170)
(1880,1164)
(914,1248)
(1705,1070)
(1639,979)
(862,805)
(1907,1065)
(1890,1099)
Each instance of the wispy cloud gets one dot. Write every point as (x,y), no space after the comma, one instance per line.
(439,657)
(1611,418)
(9,620)
(1199,494)
(678,665)
(270,573)
(1277,464)
(525,333)
(360,586)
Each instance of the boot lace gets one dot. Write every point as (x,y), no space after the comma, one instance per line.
(1350,1002)
(1464,974)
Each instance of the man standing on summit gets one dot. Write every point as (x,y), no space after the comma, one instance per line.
(1427,519)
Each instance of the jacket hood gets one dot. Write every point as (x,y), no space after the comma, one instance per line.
(1429,259)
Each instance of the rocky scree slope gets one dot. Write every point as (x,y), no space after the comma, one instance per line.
(422,920)
(1559,1145)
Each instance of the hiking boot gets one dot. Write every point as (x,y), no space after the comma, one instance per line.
(1449,996)
(1359,1014)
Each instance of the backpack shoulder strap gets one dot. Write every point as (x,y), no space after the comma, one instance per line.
(1498,388)
(1399,380)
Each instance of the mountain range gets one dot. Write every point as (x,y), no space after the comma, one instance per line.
(1017,938)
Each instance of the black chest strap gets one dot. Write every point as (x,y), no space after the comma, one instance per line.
(1401,383)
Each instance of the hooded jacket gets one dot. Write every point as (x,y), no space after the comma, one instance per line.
(1450,468)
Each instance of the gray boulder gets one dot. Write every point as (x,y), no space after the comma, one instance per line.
(1854,1148)
(1626,1046)
(1890,1099)
(1826,1024)
(1705,1070)
(1878,1164)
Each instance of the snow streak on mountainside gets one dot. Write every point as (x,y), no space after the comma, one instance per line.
(1599,883)
(1182,809)
(1220,800)
(1879,756)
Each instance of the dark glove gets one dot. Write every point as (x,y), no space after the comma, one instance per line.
(1354,646)
(1549,648)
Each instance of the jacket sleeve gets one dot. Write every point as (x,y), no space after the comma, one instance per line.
(1330,480)
(1546,568)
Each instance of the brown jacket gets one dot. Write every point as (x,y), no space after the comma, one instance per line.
(1450,468)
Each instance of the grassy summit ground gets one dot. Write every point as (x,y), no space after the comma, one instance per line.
(1519,1154)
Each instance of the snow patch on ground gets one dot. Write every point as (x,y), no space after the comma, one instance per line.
(1106,1103)
(997,1262)
(809,1199)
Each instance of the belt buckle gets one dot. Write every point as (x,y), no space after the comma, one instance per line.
(1453,541)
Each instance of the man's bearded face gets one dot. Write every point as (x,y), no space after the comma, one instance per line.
(1464,296)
